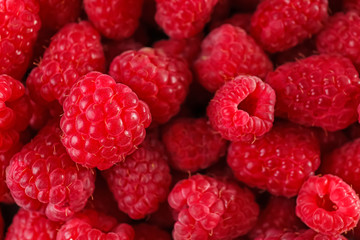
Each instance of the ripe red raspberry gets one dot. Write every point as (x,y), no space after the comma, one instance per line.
(242,109)
(93,225)
(159,80)
(194,15)
(279,162)
(304,234)
(227,52)
(31,225)
(281,24)
(43,178)
(328,205)
(141,182)
(19,26)
(145,231)
(211,209)
(103,121)
(340,36)
(116,19)
(321,90)
(192,144)
(351,5)
(55,14)
(279,213)
(74,51)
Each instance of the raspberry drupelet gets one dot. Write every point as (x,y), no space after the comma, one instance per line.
(227,52)
(211,209)
(320,90)
(328,205)
(43,178)
(103,121)
(159,80)
(242,109)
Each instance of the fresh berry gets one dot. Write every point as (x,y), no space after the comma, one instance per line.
(183,18)
(328,205)
(159,80)
(211,209)
(304,234)
(321,90)
(103,121)
(43,178)
(279,162)
(192,144)
(227,52)
(242,109)
(115,19)
(74,51)
(145,231)
(32,225)
(93,225)
(141,182)
(351,5)
(19,26)
(281,24)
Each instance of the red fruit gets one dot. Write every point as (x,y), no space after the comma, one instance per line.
(115,19)
(43,178)
(304,234)
(321,90)
(211,209)
(227,52)
(351,5)
(194,15)
(279,162)
(32,225)
(159,80)
(74,51)
(145,231)
(280,24)
(242,109)
(328,205)
(192,144)
(93,225)
(19,26)
(103,121)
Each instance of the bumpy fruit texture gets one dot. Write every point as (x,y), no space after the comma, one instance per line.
(304,234)
(280,24)
(43,178)
(227,52)
(192,144)
(103,121)
(194,15)
(144,231)
(74,51)
(211,209)
(328,205)
(279,162)
(31,225)
(242,109)
(159,80)
(115,19)
(19,26)
(320,90)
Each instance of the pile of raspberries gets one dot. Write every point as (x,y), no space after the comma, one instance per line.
(179,119)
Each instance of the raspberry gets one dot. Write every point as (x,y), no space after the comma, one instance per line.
(19,26)
(279,162)
(242,109)
(141,182)
(31,225)
(227,52)
(93,225)
(328,205)
(340,36)
(145,231)
(194,15)
(42,177)
(74,51)
(116,19)
(351,5)
(103,121)
(321,90)
(159,80)
(280,24)
(192,144)
(304,234)
(211,209)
